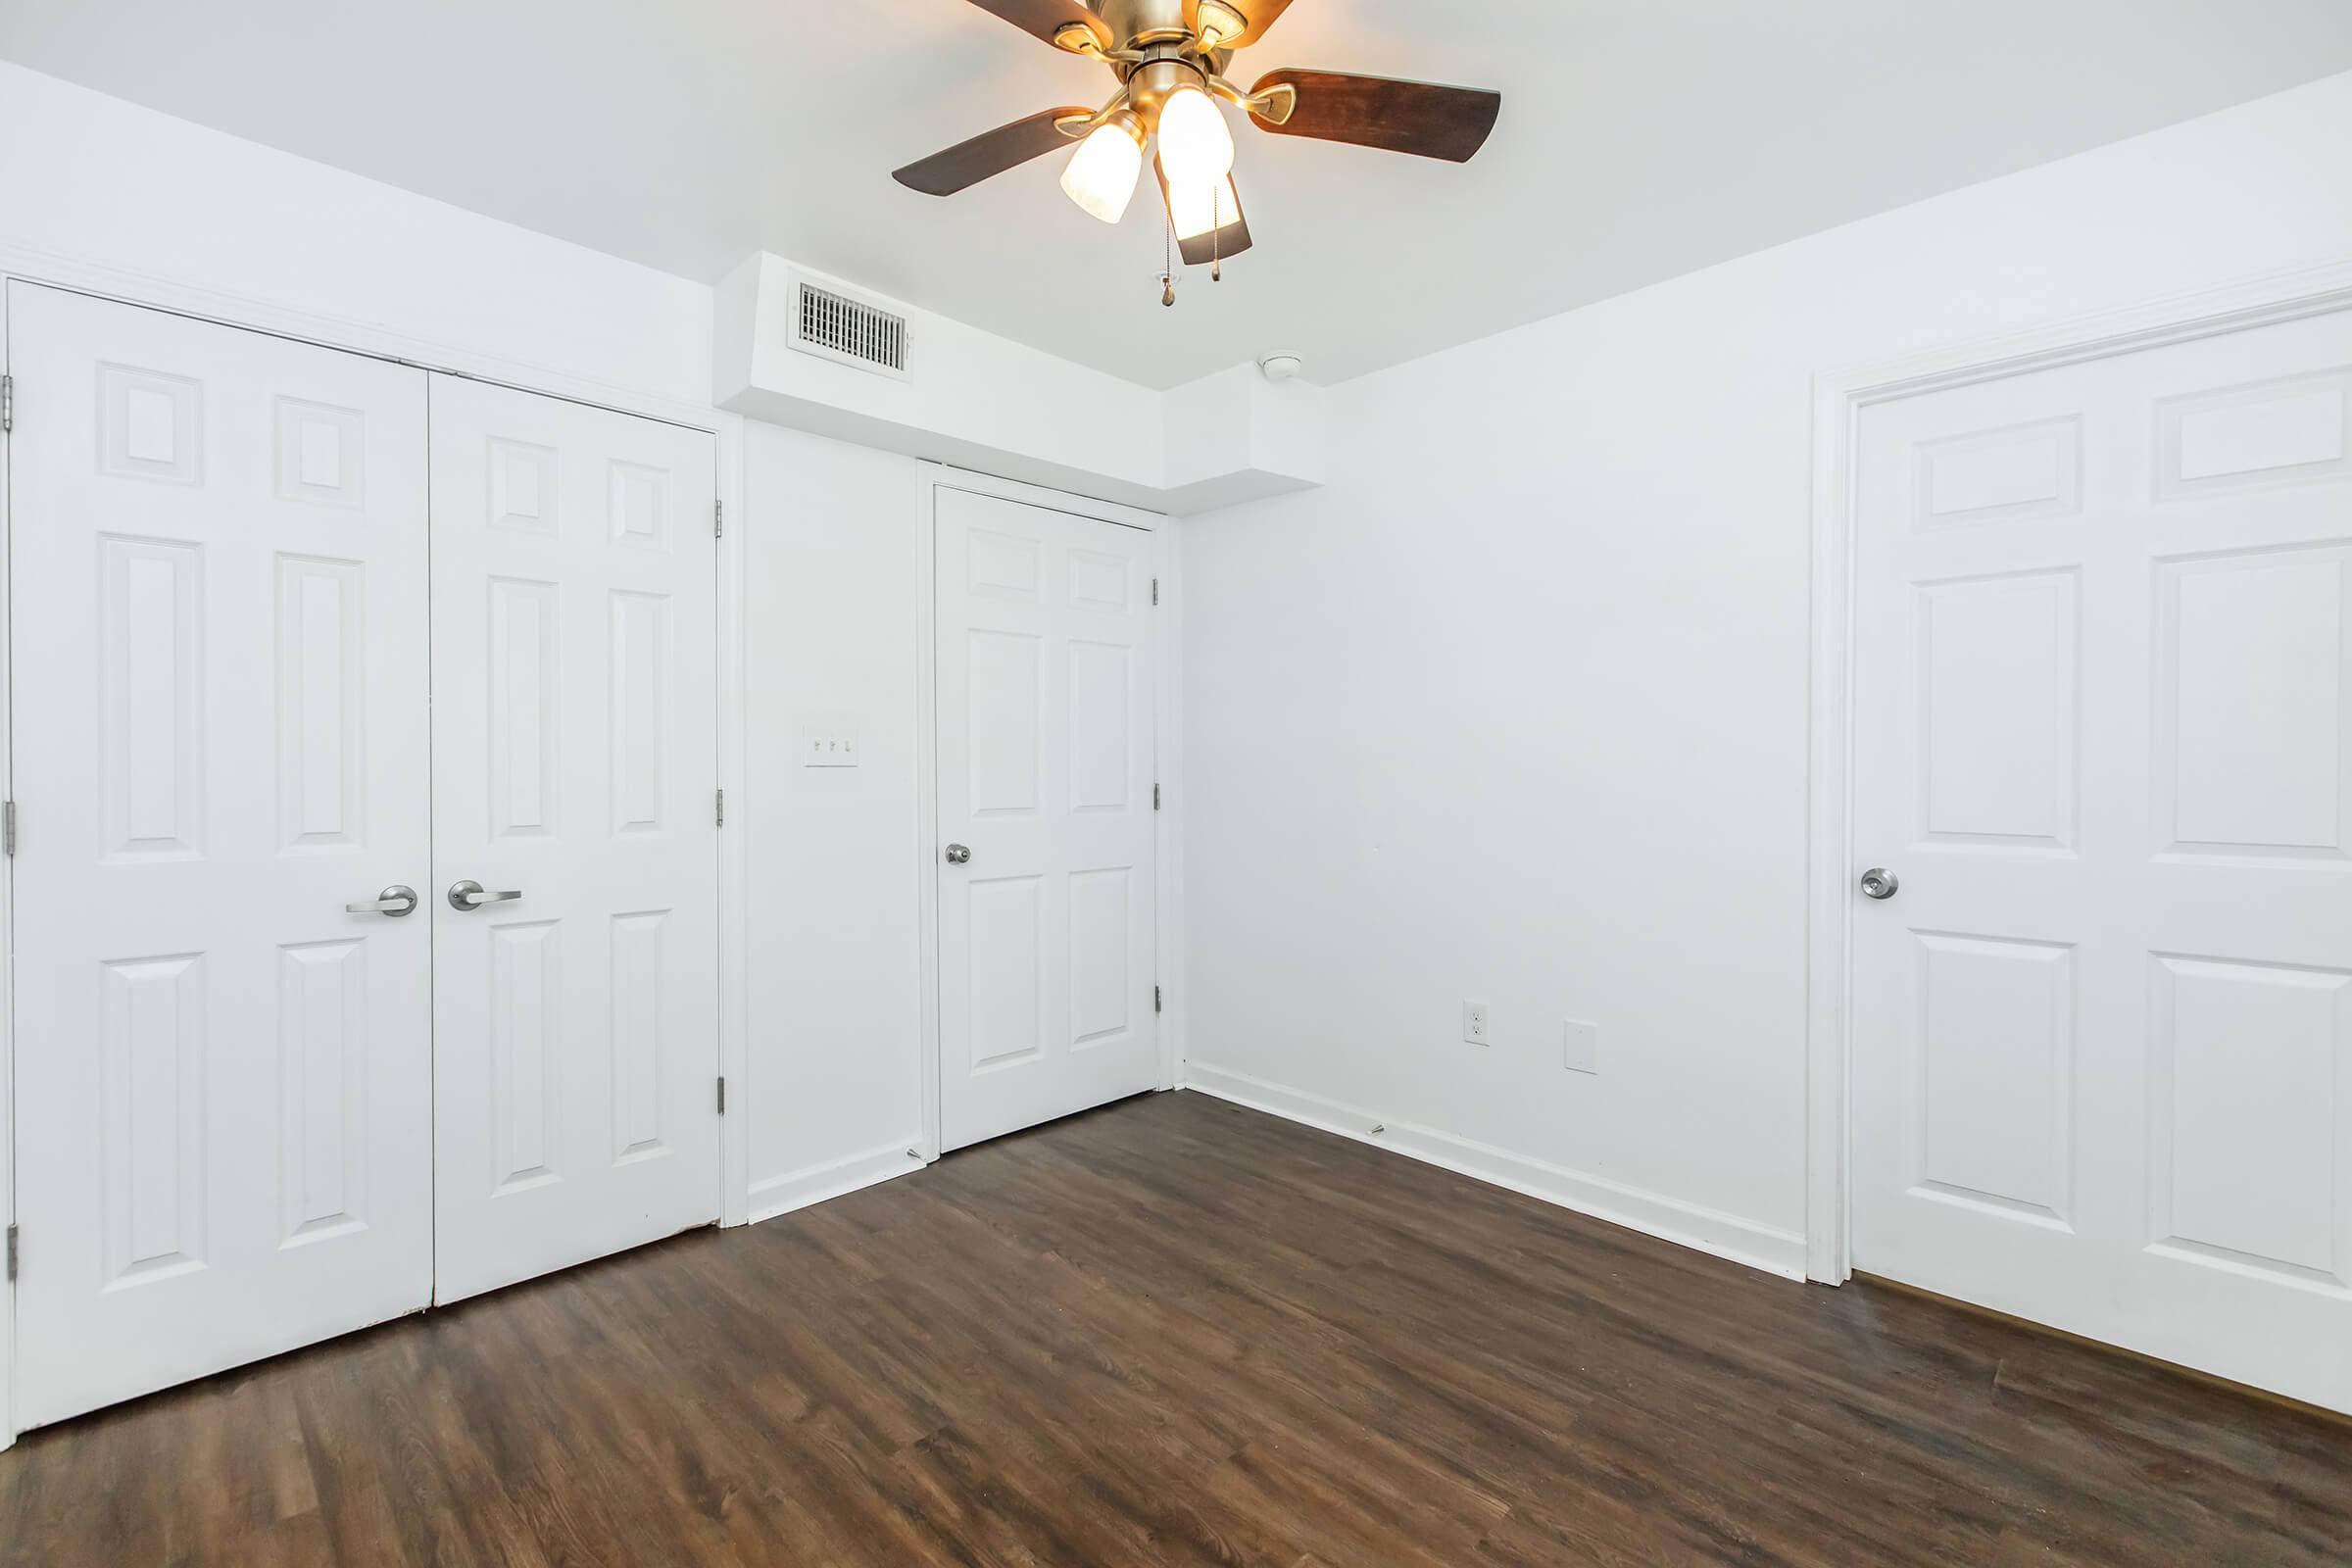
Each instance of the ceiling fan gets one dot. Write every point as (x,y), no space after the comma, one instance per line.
(1170,57)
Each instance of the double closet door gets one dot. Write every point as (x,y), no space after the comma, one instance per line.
(366,885)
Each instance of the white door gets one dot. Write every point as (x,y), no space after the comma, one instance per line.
(218,618)
(1048,862)
(575,773)
(2103,1030)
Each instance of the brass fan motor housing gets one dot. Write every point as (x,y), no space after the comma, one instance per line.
(1157,53)
(1133,21)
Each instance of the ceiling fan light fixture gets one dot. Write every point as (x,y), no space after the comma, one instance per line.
(1172,59)
(1196,145)
(1102,173)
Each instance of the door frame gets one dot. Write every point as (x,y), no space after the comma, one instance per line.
(1838,399)
(8,907)
(349,335)
(1168,755)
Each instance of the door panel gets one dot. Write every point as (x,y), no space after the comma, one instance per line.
(223,1077)
(1046,745)
(2103,1034)
(574,763)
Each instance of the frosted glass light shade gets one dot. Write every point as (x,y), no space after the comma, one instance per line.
(1102,173)
(1196,145)
(1196,209)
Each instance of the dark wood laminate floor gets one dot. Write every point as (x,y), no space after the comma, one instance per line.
(1177,1332)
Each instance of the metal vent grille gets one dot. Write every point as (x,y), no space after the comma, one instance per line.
(839,327)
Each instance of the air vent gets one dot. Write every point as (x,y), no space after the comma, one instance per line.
(834,325)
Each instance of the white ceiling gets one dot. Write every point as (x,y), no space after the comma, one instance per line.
(1639,138)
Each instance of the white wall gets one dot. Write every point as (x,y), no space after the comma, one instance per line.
(95,180)
(1515,709)
(830,853)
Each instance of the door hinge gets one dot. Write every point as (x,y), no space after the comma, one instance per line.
(1155,999)
(722,1096)
(1155,590)
(1156,797)
(718,519)
(7,402)
(722,809)
(8,829)
(12,1255)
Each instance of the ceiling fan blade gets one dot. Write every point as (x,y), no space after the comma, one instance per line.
(1419,118)
(1044,18)
(1209,245)
(1256,16)
(992,152)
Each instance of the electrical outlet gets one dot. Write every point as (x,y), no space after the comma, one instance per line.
(1581,1052)
(1474,1023)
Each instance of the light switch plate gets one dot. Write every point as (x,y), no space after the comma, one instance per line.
(829,748)
(1581,1051)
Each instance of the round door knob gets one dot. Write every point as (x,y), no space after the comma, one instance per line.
(957,855)
(1880,883)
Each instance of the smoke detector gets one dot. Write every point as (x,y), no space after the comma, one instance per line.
(1283,367)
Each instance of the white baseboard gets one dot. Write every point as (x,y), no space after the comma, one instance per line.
(835,1178)
(1670,1219)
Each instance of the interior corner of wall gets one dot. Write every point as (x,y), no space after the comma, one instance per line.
(1236,436)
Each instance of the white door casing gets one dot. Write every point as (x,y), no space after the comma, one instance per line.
(574,762)
(222,1078)
(2102,1036)
(1045,696)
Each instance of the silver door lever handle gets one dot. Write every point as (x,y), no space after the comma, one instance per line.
(471,895)
(394,902)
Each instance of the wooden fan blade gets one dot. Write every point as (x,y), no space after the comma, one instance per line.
(992,152)
(1208,246)
(1257,16)
(1046,17)
(1419,118)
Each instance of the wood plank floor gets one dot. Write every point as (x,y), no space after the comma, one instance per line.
(1177,1332)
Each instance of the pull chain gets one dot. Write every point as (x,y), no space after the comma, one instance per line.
(1216,248)
(1216,236)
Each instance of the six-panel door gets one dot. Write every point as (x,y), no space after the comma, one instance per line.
(574,763)
(224,1112)
(2103,1035)
(235,1057)
(1046,747)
